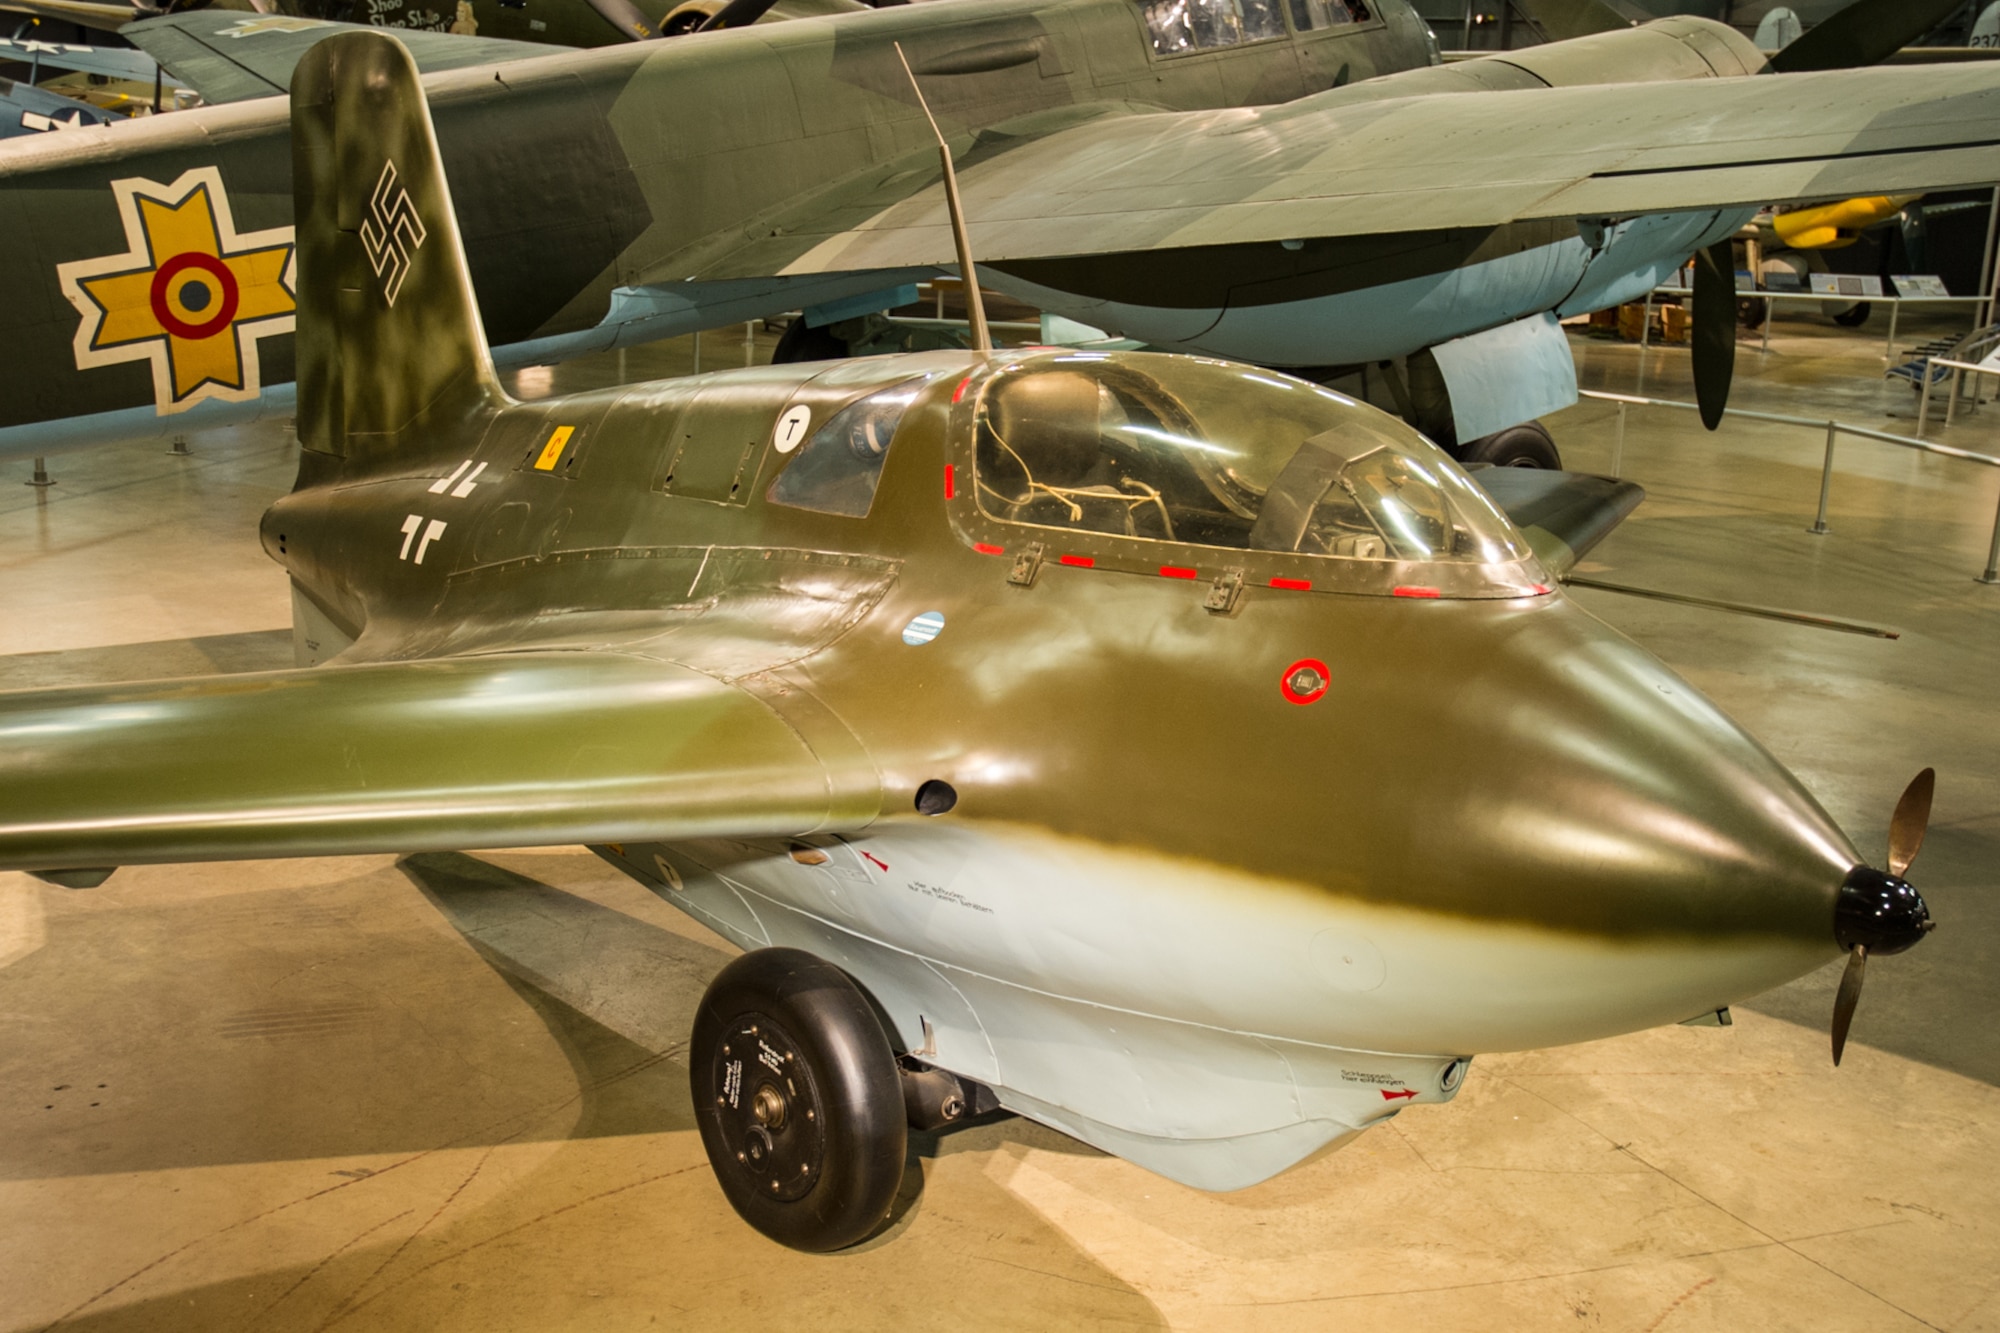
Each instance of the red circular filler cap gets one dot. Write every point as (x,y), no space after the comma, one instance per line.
(1305,680)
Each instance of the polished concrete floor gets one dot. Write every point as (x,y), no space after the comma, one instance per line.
(444,1092)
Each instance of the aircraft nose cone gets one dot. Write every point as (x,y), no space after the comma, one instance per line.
(1639,857)
(1879,911)
(1604,794)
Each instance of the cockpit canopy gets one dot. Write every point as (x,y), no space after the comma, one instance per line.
(1206,453)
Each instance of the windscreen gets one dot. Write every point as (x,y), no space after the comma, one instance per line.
(841,465)
(1209,453)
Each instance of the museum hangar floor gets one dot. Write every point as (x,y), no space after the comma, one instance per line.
(443,1093)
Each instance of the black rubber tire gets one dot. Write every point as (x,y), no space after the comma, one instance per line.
(1525,445)
(799,343)
(791,1033)
(1752,311)
(1854,316)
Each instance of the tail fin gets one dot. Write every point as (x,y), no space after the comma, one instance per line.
(390,346)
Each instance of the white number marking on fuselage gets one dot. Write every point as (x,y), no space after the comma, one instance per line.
(431,534)
(463,488)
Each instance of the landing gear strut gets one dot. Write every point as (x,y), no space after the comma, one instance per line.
(799,1100)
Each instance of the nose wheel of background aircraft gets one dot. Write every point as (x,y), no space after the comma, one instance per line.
(1881,912)
(798,1098)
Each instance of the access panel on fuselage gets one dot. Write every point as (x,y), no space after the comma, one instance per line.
(718,443)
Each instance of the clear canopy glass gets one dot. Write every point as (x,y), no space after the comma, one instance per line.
(1210,453)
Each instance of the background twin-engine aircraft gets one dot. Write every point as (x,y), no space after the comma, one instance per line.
(1062,731)
(1295,185)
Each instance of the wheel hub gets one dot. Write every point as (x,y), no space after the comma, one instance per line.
(768,1109)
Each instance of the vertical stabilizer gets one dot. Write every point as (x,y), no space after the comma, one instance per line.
(390,348)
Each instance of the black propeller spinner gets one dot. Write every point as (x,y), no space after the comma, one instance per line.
(1880,912)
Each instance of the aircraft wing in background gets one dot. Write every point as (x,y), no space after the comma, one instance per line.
(26,109)
(1328,166)
(230,56)
(112,62)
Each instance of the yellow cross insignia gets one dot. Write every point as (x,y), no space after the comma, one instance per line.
(272,23)
(191,295)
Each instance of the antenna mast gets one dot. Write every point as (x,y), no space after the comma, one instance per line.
(975,307)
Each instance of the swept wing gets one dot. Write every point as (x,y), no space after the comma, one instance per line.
(504,750)
(1562,514)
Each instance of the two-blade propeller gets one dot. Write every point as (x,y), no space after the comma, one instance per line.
(1864,33)
(1878,912)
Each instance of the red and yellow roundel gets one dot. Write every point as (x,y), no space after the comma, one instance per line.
(1305,680)
(192,295)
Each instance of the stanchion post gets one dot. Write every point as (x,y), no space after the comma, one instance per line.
(1818,529)
(179,447)
(1889,347)
(697,351)
(749,342)
(1923,395)
(41,477)
(1993,553)
(1645,339)
(1986,250)
(1992,574)
(1618,444)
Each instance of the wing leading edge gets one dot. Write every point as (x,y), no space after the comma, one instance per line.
(507,750)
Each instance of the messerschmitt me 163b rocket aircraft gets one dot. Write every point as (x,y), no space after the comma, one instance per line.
(1183,755)
(1291,185)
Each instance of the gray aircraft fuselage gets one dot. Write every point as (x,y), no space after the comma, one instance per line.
(595,187)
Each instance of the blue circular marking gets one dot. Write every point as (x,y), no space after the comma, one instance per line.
(195,295)
(924,628)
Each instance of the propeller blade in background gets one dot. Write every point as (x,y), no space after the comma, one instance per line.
(737,14)
(1848,997)
(627,18)
(1912,818)
(1714,332)
(1867,32)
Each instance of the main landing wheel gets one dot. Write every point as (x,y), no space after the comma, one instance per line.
(1526,445)
(799,343)
(799,1100)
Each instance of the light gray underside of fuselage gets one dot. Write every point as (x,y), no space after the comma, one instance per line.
(1208,1107)
(1397,318)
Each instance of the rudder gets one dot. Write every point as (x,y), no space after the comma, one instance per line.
(390,346)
